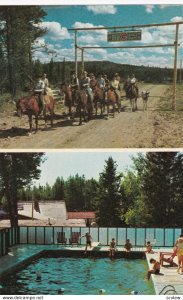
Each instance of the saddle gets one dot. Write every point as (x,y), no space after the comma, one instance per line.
(39,100)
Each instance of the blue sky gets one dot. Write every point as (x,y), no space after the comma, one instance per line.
(90,164)
(60,40)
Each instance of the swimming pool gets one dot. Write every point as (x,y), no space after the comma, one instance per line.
(80,276)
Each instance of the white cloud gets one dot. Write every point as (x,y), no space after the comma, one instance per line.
(177,19)
(86,25)
(102,9)
(147,36)
(163,56)
(59,55)
(55,31)
(162,6)
(140,58)
(90,36)
(149,8)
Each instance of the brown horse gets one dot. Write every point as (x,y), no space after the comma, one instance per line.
(48,106)
(111,99)
(98,98)
(69,101)
(132,94)
(29,106)
(83,106)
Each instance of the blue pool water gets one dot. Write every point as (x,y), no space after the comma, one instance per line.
(78,276)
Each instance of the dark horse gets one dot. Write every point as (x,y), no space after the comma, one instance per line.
(69,101)
(111,99)
(132,94)
(29,106)
(83,106)
(98,98)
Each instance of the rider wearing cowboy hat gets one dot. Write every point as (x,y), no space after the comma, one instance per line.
(39,90)
(85,85)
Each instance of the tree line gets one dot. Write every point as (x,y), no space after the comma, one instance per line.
(149,194)
(59,72)
(19,30)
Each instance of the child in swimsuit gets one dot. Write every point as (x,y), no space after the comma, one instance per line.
(148,247)
(155,269)
(112,248)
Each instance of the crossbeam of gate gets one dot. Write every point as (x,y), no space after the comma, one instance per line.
(175,45)
(123,47)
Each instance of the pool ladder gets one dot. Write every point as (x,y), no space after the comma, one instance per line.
(168,288)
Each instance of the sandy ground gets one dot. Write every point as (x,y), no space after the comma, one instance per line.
(154,128)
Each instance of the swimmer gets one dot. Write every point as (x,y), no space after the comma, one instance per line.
(38,274)
(102,291)
(112,248)
(61,291)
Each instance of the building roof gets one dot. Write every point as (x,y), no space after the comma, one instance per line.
(81,215)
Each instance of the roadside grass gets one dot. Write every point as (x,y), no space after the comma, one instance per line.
(8,104)
(179,101)
(166,101)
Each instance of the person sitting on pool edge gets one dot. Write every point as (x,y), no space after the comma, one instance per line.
(112,248)
(149,247)
(155,269)
(128,247)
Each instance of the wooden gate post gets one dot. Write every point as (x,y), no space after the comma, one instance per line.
(82,60)
(76,52)
(175,68)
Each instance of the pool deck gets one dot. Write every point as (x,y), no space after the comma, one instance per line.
(26,253)
(169,279)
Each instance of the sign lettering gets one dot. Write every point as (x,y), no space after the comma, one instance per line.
(124,36)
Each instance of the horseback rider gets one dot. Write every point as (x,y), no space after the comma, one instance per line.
(45,80)
(100,81)
(127,85)
(106,80)
(117,77)
(93,81)
(133,81)
(46,84)
(116,88)
(85,85)
(39,90)
(74,85)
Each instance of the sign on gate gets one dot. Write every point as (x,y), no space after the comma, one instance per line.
(122,36)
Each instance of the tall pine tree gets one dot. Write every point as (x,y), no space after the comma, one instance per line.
(109,196)
(18,33)
(161,175)
(16,171)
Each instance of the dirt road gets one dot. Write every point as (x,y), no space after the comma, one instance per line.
(153,128)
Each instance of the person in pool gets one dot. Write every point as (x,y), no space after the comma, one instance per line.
(112,248)
(128,247)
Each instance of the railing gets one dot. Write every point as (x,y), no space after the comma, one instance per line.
(168,290)
(164,237)
(8,238)
(47,235)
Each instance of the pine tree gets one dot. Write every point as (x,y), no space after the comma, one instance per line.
(16,171)
(109,196)
(58,189)
(19,32)
(161,175)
